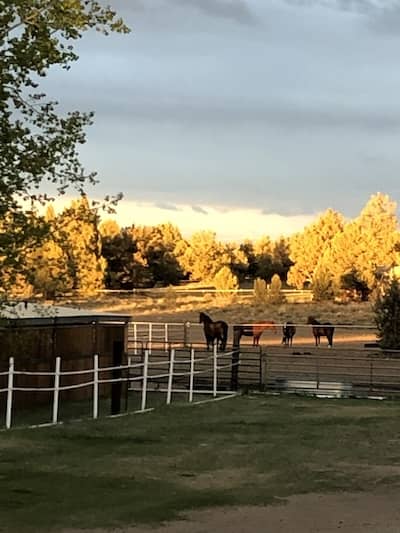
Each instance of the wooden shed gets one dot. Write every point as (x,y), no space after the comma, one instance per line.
(35,334)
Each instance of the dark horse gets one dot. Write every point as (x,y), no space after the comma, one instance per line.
(288,332)
(214,331)
(253,330)
(321,330)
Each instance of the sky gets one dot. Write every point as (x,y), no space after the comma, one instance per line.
(247,117)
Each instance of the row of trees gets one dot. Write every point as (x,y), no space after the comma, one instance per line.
(81,253)
(331,255)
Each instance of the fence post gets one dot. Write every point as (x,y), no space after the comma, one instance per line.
(95,385)
(170,376)
(166,337)
(135,337)
(10,392)
(317,370)
(186,333)
(144,383)
(215,368)
(56,389)
(191,379)
(150,336)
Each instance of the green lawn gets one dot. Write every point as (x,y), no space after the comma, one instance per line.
(151,467)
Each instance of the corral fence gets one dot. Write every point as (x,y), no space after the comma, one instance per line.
(331,373)
(188,374)
(291,295)
(350,369)
(191,333)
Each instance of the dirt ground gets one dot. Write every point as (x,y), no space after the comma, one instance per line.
(312,513)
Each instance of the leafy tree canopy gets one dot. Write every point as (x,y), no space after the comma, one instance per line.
(38,144)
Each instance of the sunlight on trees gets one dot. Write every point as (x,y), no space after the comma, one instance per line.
(39,144)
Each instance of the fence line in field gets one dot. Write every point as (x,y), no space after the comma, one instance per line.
(95,380)
(146,334)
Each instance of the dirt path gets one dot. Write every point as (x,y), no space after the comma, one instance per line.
(312,513)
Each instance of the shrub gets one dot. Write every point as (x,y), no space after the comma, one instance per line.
(387,316)
(225,280)
(274,291)
(322,286)
(260,291)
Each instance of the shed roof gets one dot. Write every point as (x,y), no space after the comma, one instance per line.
(34,314)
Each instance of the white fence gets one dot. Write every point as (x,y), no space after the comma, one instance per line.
(145,374)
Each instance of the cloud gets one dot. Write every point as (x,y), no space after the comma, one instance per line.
(382,16)
(166,207)
(198,209)
(231,224)
(354,6)
(236,10)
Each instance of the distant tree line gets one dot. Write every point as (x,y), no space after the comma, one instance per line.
(331,256)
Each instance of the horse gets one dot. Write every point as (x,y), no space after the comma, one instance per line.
(321,330)
(253,330)
(288,332)
(214,331)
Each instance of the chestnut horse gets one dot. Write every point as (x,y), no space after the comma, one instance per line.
(214,331)
(321,330)
(254,330)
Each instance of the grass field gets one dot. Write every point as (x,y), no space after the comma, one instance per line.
(150,468)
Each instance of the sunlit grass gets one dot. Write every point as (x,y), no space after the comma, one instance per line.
(233,309)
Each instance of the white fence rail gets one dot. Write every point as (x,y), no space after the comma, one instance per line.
(144,375)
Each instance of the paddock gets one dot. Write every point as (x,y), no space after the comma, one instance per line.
(169,362)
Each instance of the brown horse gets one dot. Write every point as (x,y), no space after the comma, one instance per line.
(254,330)
(288,332)
(214,331)
(321,330)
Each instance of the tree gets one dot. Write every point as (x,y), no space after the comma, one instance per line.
(366,244)
(81,241)
(39,145)
(263,250)
(387,316)
(118,248)
(157,256)
(281,261)
(308,247)
(203,256)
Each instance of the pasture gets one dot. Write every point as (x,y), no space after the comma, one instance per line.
(156,467)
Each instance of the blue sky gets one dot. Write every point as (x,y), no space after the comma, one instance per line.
(264,107)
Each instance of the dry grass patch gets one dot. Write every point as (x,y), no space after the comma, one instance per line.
(234,309)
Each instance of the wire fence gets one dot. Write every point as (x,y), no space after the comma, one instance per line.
(171,376)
